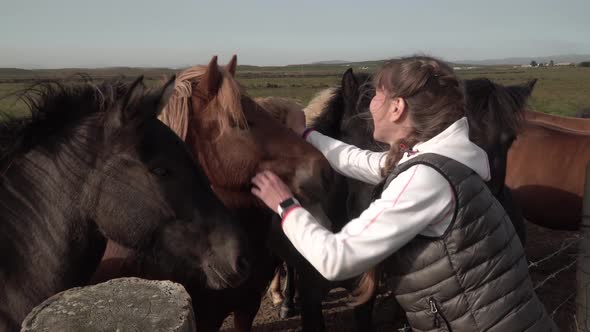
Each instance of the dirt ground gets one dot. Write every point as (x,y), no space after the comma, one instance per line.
(557,293)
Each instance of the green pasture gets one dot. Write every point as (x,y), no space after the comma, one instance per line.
(559,90)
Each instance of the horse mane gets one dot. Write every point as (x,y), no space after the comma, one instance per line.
(318,104)
(55,110)
(489,104)
(227,103)
(326,110)
(278,107)
(329,118)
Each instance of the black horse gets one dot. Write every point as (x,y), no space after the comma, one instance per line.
(93,162)
(494,113)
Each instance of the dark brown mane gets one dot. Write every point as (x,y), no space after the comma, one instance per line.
(494,110)
(55,108)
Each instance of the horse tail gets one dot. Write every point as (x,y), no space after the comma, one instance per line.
(366,288)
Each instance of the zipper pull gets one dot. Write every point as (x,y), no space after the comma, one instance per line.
(433,308)
(434,311)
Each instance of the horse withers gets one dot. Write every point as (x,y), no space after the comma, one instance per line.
(93,163)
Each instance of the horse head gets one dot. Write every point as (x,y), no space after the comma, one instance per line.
(234,138)
(147,193)
(495,114)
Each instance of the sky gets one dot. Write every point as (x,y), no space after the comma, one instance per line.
(171,33)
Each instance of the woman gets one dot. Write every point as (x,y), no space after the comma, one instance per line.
(458,263)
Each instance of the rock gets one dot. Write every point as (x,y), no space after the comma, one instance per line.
(125,304)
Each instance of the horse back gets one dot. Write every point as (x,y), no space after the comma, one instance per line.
(545,170)
(563,123)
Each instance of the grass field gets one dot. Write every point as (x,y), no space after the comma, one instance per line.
(559,90)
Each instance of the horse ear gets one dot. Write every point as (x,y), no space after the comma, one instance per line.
(211,80)
(165,93)
(531,85)
(134,93)
(522,92)
(350,85)
(124,111)
(232,65)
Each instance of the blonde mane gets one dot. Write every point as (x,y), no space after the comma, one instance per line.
(318,104)
(226,102)
(279,107)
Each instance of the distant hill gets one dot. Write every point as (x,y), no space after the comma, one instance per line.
(368,63)
(330,62)
(156,73)
(16,74)
(574,58)
(13,72)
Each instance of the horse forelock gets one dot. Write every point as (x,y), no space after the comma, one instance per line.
(226,104)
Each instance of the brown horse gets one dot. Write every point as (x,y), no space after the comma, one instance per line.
(546,167)
(233,138)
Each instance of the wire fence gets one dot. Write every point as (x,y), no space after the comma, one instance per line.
(554,279)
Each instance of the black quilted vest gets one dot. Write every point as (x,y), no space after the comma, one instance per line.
(475,276)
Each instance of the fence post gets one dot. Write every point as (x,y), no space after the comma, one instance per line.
(583,268)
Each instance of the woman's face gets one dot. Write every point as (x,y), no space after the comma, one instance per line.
(379,108)
(389,117)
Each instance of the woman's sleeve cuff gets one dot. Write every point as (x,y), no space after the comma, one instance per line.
(287,212)
(306,133)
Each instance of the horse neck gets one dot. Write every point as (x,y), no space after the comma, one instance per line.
(43,229)
(254,217)
(52,177)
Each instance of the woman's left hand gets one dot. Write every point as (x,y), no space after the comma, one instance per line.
(270,189)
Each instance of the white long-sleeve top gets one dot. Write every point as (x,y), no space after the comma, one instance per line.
(418,201)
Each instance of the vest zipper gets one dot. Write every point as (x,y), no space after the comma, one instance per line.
(436,313)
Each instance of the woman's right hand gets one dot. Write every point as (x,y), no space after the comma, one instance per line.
(295,120)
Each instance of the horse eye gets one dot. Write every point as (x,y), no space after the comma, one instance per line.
(159,171)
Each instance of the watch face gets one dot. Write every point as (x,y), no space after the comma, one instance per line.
(286,203)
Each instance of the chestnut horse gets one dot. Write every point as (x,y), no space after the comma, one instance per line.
(233,138)
(546,167)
